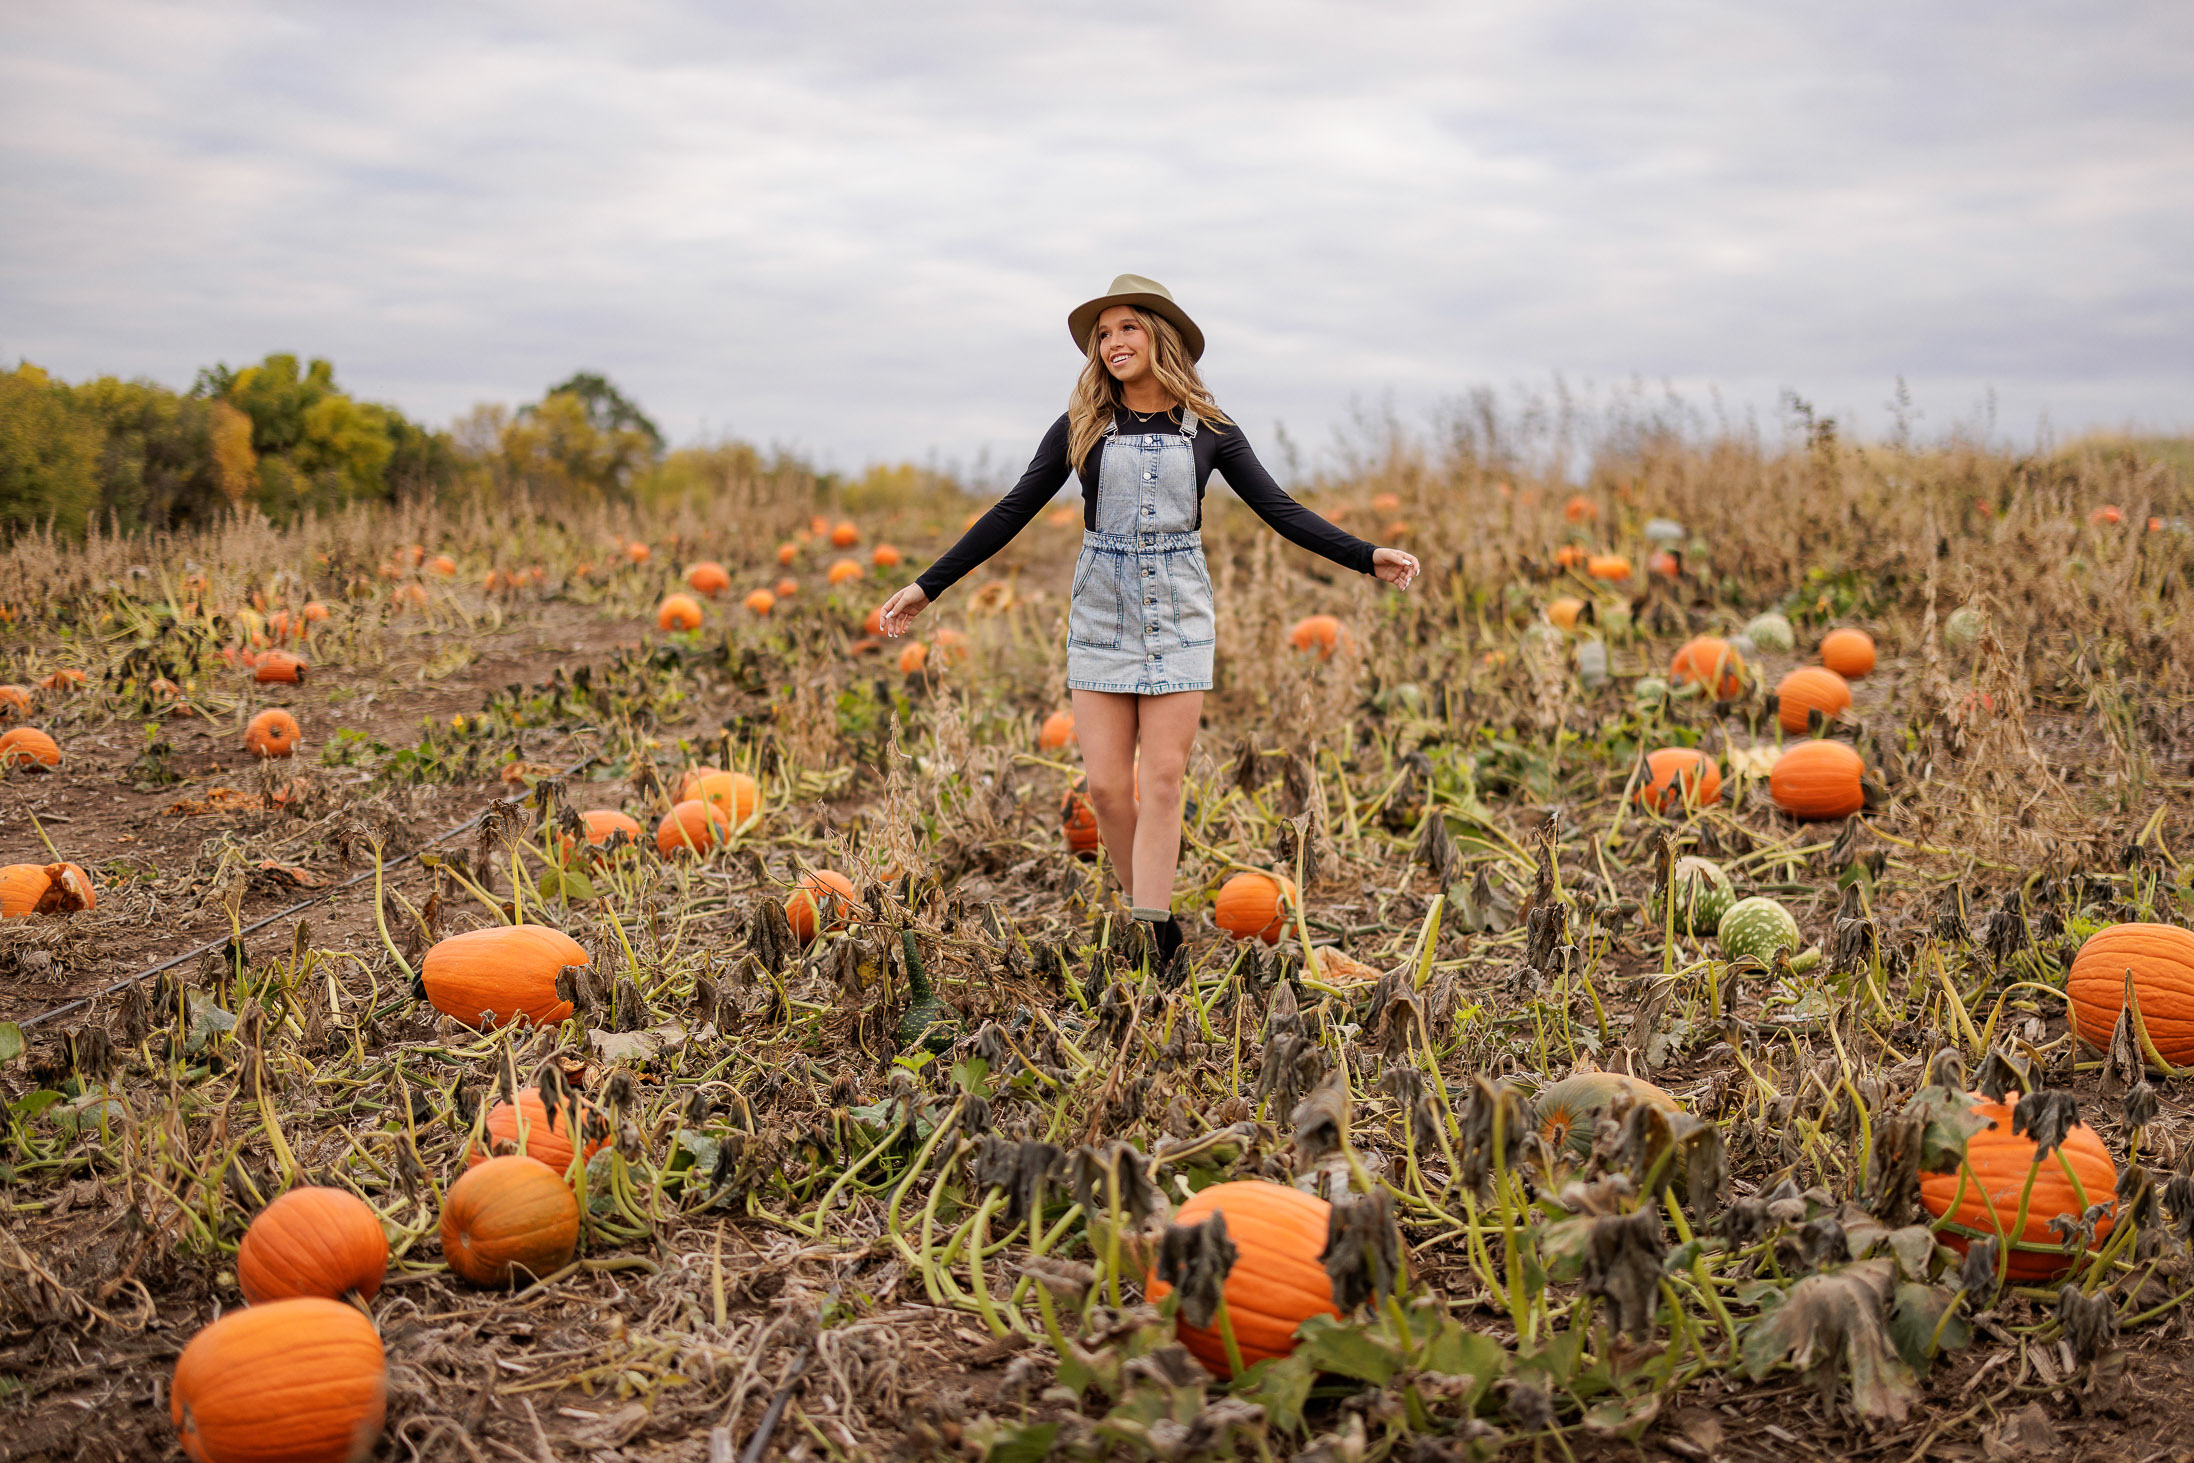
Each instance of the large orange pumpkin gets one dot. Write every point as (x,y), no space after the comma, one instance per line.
(689,782)
(1278,1280)
(1253,904)
(1997,1162)
(2161,958)
(1712,662)
(1674,775)
(1057,731)
(507,1218)
(45,889)
(1568,1112)
(23,745)
(678,612)
(734,792)
(292,1381)
(803,907)
(503,971)
(1818,780)
(313,1241)
(708,577)
(693,827)
(1849,653)
(1319,633)
(1810,688)
(279,666)
(548,1135)
(272,733)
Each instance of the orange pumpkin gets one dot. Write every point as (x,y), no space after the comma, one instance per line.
(1849,653)
(735,792)
(1569,1112)
(281,666)
(2161,958)
(804,906)
(1078,817)
(639,553)
(1712,662)
(1609,566)
(1997,1162)
(786,553)
(272,733)
(845,571)
(23,745)
(604,824)
(313,1241)
(689,782)
(1810,688)
(843,535)
(872,623)
(314,612)
(67,678)
(1580,509)
(2109,514)
(1562,613)
(760,601)
(912,657)
(1278,1280)
(708,577)
(15,701)
(291,1381)
(1570,556)
(951,646)
(503,972)
(693,827)
(44,889)
(787,588)
(547,1137)
(510,1217)
(678,612)
(1817,781)
(1667,563)
(1320,633)
(1675,776)
(1386,502)
(1057,732)
(1254,904)
(886,557)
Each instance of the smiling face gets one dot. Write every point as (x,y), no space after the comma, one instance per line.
(1124,345)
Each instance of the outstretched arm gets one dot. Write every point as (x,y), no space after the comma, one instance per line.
(988,534)
(1290,519)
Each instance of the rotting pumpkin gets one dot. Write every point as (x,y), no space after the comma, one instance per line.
(501,972)
(62,888)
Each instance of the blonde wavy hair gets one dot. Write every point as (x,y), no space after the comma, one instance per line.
(1097,392)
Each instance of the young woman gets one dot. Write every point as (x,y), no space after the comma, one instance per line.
(1143,435)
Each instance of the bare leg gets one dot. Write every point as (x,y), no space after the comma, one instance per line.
(1105,725)
(1167,731)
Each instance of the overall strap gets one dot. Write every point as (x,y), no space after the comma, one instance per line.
(1189,422)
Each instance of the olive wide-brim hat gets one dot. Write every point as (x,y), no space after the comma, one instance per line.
(1144,294)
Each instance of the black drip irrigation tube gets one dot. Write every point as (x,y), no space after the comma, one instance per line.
(261,923)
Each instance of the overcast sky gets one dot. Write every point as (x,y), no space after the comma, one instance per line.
(856,229)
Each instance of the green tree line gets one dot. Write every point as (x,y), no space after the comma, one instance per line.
(285,438)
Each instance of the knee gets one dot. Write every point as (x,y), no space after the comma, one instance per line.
(1114,797)
(1161,786)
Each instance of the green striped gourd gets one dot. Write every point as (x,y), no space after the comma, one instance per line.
(1757,927)
(1771,632)
(1703,895)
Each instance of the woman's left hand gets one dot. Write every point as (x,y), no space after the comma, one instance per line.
(1394,566)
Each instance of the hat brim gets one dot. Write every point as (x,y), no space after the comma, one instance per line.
(1083,319)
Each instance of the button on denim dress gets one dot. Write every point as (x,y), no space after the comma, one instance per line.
(1142,620)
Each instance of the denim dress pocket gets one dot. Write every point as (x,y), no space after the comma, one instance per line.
(1195,622)
(1095,619)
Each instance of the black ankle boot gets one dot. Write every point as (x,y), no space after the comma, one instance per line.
(1169,938)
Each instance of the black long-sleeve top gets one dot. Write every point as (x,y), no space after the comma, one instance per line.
(1222,447)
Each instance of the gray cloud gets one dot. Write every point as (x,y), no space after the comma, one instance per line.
(856,228)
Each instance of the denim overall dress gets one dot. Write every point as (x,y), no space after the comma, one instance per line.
(1142,620)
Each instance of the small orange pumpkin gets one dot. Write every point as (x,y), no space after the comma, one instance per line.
(1278,1280)
(23,745)
(1810,688)
(1675,776)
(1319,633)
(638,553)
(1057,732)
(844,535)
(15,701)
(2161,958)
(1818,780)
(693,827)
(503,972)
(760,601)
(1666,563)
(443,565)
(67,678)
(604,824)
(886,557)
(1563,612)
(1849,653)
(1569,1112)
(1386,502)
(804,907)
(872,623)
(27,889)
(281,666)
(735,792)
(951,646)
(1580,509)
(787,587)
(912,657)
(547,1137)
(1078,818)
(313,1241)
(708,577)
(678,612)
(786,553)
(292,1381)
(1254,905)
(1994,1175)
(845,571)
(2108,515)
(1712,662)
(509,1217)
(314,612)
(1570,556)
(272,733)
(1609,567)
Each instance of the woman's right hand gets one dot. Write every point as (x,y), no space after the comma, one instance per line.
(897,616)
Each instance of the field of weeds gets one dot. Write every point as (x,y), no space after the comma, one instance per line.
(1518,1146)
